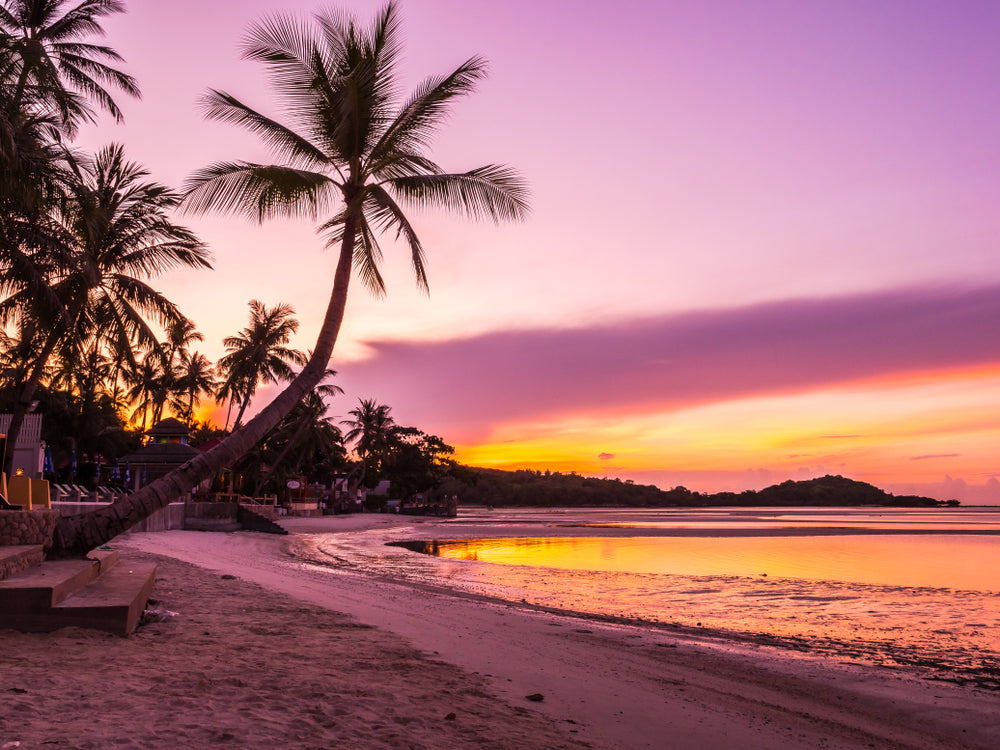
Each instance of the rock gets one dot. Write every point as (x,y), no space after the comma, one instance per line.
(536,697)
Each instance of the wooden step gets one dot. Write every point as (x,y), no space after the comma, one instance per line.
(15,558)
(114,602)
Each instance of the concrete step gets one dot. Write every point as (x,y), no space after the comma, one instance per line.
(114,602)
(43,586)
(100,592)
(251,520)
(16,558)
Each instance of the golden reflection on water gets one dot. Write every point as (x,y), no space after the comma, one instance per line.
(920,600)
(938,561)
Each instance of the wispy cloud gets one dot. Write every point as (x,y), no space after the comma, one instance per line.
(464,386)
(934,455)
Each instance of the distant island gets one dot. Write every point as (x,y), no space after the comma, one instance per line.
(477,486)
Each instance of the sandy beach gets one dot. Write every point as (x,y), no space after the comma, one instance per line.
(255,646)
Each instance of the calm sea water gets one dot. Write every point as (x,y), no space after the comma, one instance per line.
(893,587)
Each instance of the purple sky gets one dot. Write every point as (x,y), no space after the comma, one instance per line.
(731,200)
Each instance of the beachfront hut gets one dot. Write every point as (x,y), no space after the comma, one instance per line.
(166,448)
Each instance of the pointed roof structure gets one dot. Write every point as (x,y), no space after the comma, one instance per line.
(166,450)
(169,428)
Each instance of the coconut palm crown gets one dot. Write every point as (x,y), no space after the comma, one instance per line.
(351,146)
(259,353)
(54,62)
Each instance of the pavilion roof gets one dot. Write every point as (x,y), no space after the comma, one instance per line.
(168,427)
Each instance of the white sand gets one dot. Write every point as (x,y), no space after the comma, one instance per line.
(288,670)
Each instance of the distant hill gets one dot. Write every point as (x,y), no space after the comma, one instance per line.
(476,486)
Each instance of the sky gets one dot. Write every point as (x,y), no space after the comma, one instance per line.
(763,242)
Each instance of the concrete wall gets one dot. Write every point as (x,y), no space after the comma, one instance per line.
(165,519)
(212,516)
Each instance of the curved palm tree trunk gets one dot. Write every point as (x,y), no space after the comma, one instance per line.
(243,408)
(229,413)
(75,536)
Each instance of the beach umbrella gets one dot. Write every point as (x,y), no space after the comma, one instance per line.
(47,465)
(72,463)
(115,474)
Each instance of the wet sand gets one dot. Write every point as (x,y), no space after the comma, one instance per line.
(306,655)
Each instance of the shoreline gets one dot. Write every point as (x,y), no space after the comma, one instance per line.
(616,685)
(812,616)
(257,646)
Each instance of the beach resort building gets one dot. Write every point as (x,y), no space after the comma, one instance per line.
(166,448)
(29,453)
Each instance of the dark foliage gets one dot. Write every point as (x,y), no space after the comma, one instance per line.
(493,487)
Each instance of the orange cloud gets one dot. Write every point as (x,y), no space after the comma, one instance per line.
(871,430)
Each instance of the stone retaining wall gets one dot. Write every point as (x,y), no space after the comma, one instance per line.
(27,527)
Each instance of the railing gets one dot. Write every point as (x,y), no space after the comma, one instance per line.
(224,497)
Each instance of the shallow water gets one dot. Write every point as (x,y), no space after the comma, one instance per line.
(906,587)
(939,561)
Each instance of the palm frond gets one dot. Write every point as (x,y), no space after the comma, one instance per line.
(223,107)
(426,109)
(258,191)
(492,192)
(387,215)
(367,256)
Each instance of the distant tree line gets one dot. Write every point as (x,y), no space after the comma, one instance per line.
(476,486)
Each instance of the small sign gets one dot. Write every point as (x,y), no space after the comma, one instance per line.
(292,484)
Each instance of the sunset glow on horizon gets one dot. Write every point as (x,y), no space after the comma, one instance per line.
(870,431)
(764,241)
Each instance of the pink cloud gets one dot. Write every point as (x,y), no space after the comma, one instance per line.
(462,387)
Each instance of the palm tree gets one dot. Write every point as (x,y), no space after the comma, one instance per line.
(195,376)
(181,333)
(259,353)
(48,70)
(307,431)
(148,386)
(350,148)
(52,64)
(117,230)
(371,430)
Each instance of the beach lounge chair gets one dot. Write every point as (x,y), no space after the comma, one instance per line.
(40,495)
(19,491)
(4,505)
